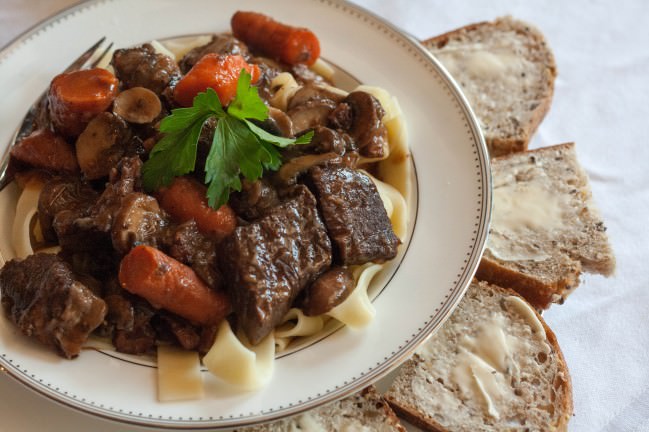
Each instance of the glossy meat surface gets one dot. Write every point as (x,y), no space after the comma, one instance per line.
(143,67)
(41,296)
(354,215)
(269,262)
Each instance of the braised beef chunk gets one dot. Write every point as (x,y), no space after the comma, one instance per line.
(353,212)
(121,216)
(66,200)
(123,180)
(41,296)
(268,70)
(143,67)
(254,199)
(121,314)
(126,176)
(327,292)
(267,263)
(141,336)
(220,44)
(185,334)
(193,248)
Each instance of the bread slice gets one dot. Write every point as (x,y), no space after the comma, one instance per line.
(506,70)
(494,366)
(363,411)
(545,228)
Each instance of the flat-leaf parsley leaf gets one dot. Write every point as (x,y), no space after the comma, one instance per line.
(239,147)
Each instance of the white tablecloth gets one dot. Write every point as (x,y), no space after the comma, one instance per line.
(602,103)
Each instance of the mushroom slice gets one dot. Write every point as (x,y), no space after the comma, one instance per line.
(313,92)
(289,172)
(281,122)
(310,114)
(328,291)
(360,116)
(138,221)
(100,145)
(137,105)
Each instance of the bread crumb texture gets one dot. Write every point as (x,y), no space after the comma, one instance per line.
(506,70)
(365,411)
(493,366)
(545,227)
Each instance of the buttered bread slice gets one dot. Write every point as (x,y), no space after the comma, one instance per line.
(493,366)
(362,412)
(506,70)
(545,228)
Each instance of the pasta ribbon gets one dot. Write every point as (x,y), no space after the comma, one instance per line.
(323,69)
(395,206)
(386,100)
(357,310)
(25,211)
(178,48)
(396,170)
(161,49)
(233,360)
(179,374)
(284,86)
(295,324)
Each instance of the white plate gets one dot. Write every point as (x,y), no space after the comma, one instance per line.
(451,207)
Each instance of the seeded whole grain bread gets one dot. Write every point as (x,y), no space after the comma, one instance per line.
(545,227)
(365,411)
(494,366)
(506,70)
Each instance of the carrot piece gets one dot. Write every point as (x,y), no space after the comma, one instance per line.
(220,72)
(76,97)
(44,149)
(171,285)
(185,199)
(292,45)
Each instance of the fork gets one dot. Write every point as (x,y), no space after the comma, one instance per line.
(89,59)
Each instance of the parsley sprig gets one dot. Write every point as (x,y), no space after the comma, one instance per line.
(239,146)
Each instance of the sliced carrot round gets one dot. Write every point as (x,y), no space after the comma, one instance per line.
(76,97)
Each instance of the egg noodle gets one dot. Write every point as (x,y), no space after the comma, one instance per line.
(232,359)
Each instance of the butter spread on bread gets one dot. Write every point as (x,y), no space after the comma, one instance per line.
(545,227)
(493,366)
(364,411)
(506,70)
(523,206)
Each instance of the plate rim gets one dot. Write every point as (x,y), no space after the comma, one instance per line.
(453,298)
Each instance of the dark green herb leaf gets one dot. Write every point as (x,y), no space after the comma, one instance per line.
(235,150)
(276,140)
(239,146)
(174,155)
(247,104)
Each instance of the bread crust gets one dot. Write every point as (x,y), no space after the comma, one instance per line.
(371,395)
(499,146)
(367,405)
(539,294)
(566,383)
(561,274)
(413,416)
(562,384)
